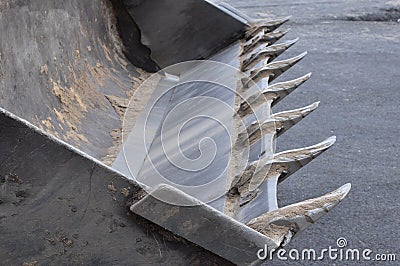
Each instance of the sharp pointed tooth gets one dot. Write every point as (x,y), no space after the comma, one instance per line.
(274,70)
(293,160)
(269,53)
(277,124)
(266,26)
(297,217)
(287,162)
(282,89)
(285,120)
(274,94)
(283,163)
(263,38)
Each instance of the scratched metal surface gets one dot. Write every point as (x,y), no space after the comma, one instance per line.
(202,106)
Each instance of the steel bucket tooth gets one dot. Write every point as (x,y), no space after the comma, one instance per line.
(265,39)
(268,54)
(275,69)
(285,120)
(265,26)
(284,164)
(293,160)
(283,89)
(278,124)
(273,94)
(285,223)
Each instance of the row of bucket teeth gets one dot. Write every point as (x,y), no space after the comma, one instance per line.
(258,52)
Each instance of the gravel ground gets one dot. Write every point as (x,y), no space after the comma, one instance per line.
(354,54)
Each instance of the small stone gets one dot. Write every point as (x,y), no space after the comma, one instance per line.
(67,242)
(13,178)
(51,241)
(44,69)
(111,187)
(125,192)
(33,263)
(21,194)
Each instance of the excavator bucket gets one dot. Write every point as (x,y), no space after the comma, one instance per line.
(139,132)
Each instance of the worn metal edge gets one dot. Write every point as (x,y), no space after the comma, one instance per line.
(203,225)
(67,146)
